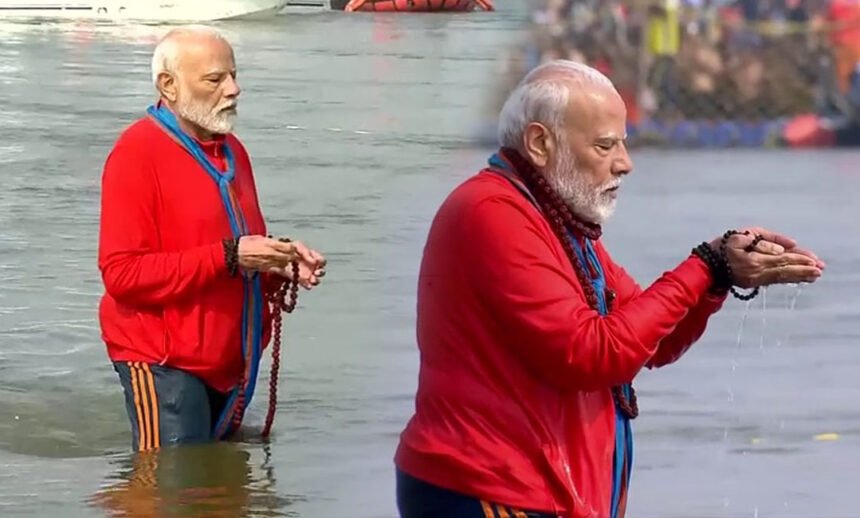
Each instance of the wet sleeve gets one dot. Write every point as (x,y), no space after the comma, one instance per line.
(689,329)
(549,324)
(133,270)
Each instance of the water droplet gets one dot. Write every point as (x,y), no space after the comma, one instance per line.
(792,304)
(763,315)
(743,321)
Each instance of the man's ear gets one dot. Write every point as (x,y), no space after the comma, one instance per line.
(538,143)
(167,86)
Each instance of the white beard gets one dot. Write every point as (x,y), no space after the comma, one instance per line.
(219,120)
(593,204)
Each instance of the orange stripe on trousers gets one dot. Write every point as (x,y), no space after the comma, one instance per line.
(141,431)
(146,406)
(153,398)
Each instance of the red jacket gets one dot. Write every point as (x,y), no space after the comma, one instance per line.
(514,403)
(169,299)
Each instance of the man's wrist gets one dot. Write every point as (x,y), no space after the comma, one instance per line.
(717,265)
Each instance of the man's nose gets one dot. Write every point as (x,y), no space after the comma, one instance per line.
(231,87)
(622,164)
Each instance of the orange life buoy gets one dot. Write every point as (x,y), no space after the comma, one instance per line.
(418,5)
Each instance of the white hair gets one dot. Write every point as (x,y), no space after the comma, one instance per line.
(542,96)
(167,52)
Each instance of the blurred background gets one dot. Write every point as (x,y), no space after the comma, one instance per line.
(742,113)
(714,73)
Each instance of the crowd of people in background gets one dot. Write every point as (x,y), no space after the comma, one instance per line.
(738,60)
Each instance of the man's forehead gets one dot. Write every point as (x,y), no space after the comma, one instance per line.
(600,113)
(203,53)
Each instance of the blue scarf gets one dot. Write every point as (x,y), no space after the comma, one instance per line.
(252,314)
(623,458)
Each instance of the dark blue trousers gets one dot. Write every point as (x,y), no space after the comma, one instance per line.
(418,499)
(167,406)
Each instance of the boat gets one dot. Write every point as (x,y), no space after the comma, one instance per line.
(140,10)
(415,5)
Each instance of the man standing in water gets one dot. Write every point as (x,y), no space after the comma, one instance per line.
(530,335)
(183,252)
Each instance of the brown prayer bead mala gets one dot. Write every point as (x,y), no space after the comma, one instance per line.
(279,304)
(561,219)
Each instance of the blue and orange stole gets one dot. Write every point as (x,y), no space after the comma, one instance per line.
(623,458)
(253,300)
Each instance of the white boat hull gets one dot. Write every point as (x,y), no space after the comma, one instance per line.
(185,11)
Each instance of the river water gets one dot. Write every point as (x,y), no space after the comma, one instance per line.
(358,126)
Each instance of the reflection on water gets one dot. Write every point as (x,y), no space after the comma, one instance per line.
(212,480)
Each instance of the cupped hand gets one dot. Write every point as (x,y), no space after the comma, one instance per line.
(773,243)
(311,266)
(771,259)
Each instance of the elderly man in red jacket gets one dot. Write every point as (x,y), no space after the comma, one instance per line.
(530,335)
(183,252)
